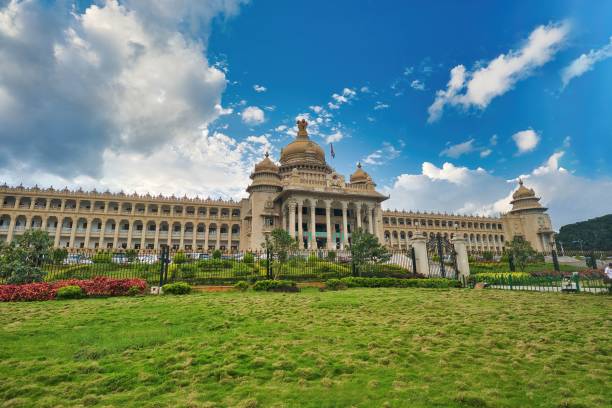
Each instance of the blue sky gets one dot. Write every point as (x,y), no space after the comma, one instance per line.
(183,97)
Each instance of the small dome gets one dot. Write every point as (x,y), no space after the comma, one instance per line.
(359,176)
(523,192)
(266,165)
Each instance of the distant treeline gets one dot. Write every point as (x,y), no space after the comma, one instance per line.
(595,234)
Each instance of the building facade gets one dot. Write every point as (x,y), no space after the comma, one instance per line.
(302,194)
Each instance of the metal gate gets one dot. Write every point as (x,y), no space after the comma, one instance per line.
(442,258)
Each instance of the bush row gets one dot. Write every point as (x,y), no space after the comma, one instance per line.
(96,287)
(272,285)
(354,282)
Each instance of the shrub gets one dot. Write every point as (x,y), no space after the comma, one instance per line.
(242,286)
(69,292)
(386,271)
(325,270)
(97,287)
(216,254)
(102,257)
(312,258)
(103,286)
(179,258)
(27,292)
(499,275)
(177,288)
(354,282)
(331,256)
(24,273)
(249,258)
(273,285)
(335,284)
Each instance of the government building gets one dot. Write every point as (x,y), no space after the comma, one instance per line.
(302,195)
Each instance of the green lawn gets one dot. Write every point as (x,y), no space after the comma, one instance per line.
(360,347)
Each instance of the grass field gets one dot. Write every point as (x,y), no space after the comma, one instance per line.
(360,347)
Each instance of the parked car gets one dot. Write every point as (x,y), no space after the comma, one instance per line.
(203,257)
(77,259)
(149,259)
(120,259)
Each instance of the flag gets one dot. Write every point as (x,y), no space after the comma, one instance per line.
(331,148)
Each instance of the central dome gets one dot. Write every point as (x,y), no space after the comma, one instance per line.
(302,149)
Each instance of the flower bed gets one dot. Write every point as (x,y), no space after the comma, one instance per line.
(97,287)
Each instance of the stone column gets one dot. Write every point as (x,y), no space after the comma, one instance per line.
(331,243)
(194,236)
(344,225)
(130,233)
(218,243)
(43,225)
(58,231)
(419,243)
(156,239)
(116,234)
(102,229)
(73,233)
(182,236)
(206,227)
(370,220)
(300,208)
(9,236)
(292,219)
(87,233)
(170,230)
(28,223)
(143,236)
(313,229)
(358,212)
(285,219)
(463,264)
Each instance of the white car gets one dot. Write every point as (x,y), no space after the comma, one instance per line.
(77,259)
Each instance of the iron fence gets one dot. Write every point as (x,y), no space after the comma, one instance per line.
(575,282)
(158,267)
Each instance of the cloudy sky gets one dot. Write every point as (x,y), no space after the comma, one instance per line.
(444,104)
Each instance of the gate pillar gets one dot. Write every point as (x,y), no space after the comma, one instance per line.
(463,264)
(420,250)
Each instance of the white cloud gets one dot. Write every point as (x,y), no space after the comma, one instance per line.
(418,85)
(498,76)
(365,89)
(585,63)
(485,153)
(459,149)
(281,128)
(339,99)
(526,140)
(316,108)
(117,97)
(380,105)
(334,137)
(259,88)
(408,70)
(493,140)
(463,190)
(383,155)
(252,115)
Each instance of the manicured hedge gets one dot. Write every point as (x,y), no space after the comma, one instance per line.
(97,287)
(177,288)
(354,282)
(275,286)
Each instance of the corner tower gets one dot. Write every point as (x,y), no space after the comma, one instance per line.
(528,219)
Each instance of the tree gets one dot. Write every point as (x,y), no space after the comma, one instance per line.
(521,251)
(365,248)
(22,259)
(279,243)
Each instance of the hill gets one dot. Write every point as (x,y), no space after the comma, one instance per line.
(595,233)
